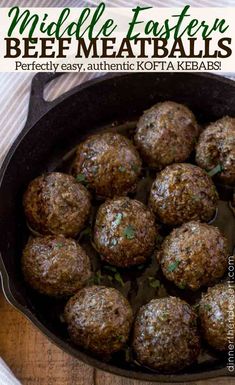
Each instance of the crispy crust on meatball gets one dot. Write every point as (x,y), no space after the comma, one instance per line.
(165,335)
(194,255)
(166,133)
(183,192)
(214,310)
(109,163)
(55,203)
(125,232)
(55,265)
(99,319)
(216,147)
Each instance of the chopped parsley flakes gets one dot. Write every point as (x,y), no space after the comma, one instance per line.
(129,232)
(117,220)
(81,178)
(121,169)
(154,283)
(135,168)
(173,266)
(59,245)
(208,307)
(216,170)
(118,278)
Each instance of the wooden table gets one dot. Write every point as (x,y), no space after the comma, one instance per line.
(36,361)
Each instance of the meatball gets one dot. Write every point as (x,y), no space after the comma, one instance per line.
(194,255)
(99,319)
(125,232)
(182,192)
(165,335)
(216,149)
(215,309)
(55,265)
(166,133)
(108,163)
(55,203)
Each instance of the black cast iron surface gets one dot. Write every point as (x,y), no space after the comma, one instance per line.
(46,143)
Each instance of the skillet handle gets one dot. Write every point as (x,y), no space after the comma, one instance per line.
(37,105)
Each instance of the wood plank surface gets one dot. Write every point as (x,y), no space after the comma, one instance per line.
(36,361)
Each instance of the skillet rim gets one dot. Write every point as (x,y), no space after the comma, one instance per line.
(6,286)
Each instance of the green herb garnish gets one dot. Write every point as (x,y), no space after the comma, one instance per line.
(208,307)
(91,280)
(59,245)
(120,338)
(163,316)
(121,169)
(118,278)
(173,266)
(140,267)
(135,168)
(128,354)
(110,268)
(95,170)
(129,232)
(196,306)
(216,170)
(159,238)
(154,283)
(182,285)
(81,178)
(85,232)
(117,220)
(97,277)
(194,141)
(113,241)
(196,197)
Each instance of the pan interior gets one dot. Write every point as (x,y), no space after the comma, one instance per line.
(113,104)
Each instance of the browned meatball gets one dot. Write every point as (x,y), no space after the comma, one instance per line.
(124,232)
(194,255)
(216,310)
(108,163)
(165,335)
(182,192)
(216,149)
(166,133)
(55,265)
(55,203)
(99,319)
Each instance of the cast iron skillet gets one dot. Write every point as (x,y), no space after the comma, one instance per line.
(51,131)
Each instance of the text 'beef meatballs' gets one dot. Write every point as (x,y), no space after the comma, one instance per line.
(216,313)
(194,255)
(165,335)
(216,149)
(108,163)
(55,203)
(166,133)
(183,192)
(99,319)
(55,265)
(124,232)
